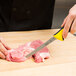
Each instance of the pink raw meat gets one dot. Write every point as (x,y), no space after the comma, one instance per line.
(18,54)
(42,54)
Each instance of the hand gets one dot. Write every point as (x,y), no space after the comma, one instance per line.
(70,22)
(3,48)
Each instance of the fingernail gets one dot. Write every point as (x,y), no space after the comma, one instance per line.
(63,36)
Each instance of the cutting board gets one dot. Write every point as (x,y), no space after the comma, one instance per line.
(62,59)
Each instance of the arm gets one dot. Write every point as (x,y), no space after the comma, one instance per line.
(70,21)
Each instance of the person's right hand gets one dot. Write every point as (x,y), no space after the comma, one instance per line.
(3,48)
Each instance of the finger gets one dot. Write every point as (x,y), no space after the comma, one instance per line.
(7,47)
(67,26)
(73,28)
(5,44)
(2,55)
(64,21)
(3,49)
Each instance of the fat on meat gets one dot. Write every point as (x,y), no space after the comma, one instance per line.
(19,54)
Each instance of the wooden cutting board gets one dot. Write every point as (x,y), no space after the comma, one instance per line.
(62,59)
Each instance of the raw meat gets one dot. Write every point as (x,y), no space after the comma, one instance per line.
(42,54)
(18,54)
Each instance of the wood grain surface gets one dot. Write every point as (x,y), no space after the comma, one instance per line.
(62,61)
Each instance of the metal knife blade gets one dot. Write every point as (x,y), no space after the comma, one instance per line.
(42,46)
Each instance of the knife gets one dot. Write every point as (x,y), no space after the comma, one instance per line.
(57,35)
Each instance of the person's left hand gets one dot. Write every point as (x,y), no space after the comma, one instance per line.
(70,22)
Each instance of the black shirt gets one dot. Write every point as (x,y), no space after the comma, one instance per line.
(25,14)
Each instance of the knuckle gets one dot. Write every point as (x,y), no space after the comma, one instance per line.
(72,15)
(66,27)
(64,32)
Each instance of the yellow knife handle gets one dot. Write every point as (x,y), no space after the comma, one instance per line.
(58,35)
